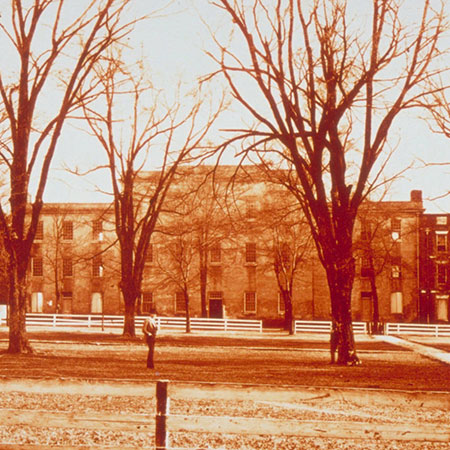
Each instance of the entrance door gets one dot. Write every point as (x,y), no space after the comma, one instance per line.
(66,307)
(215,308)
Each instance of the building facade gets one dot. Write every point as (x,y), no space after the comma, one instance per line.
(219,258)
(434,268)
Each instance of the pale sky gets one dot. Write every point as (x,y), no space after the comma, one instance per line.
(173,45)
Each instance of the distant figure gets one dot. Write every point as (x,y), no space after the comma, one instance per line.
(150,329)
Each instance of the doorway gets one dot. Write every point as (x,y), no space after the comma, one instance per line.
(215,305)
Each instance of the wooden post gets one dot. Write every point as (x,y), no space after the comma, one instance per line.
(162,409)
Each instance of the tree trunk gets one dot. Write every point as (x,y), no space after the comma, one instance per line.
(376,312)
(288,313)
(203,282)
(188,315)
(129,329)
(341,276)
(18,341)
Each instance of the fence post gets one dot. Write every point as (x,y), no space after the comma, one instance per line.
(162,409)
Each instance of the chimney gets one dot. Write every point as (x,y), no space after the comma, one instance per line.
(416,196)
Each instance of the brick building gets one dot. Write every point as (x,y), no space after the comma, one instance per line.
(434,268)
(230,269)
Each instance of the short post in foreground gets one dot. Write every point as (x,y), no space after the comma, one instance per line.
(162,409)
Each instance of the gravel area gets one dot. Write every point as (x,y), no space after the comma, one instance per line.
(330,411)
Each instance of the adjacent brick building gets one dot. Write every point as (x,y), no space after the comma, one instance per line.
(434,268)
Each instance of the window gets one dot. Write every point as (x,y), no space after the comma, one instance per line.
(147,302)
(441,242)
(97,230)
(149,254)
(396,267)
(37,302)
(250,302)
(250,252)
(96,303)
(215,295)
(67,230)
(38,267)
(396,229)
(366,306)
(215,253)
(441,274)
(97,268)
(396,271)
(366,270)
(441,220)
(39,231)
(67,267)
(442,307)
(250,209)
(365,230)
(180,304)
(396,303)
(282,256)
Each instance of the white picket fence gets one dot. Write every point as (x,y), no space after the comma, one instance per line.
(316,326)
(417,329)
(112,321)
(104,322)
(435,330)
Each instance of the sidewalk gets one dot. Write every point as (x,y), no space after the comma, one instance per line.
(424,350)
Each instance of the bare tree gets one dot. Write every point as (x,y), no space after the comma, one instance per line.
(323,84)
(134,123)
(288,249)
(178,267)
(52,48)
(209,220)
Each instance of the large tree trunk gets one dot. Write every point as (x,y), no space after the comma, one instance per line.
(129,298)
(129,329)
(340,277)
(18,341)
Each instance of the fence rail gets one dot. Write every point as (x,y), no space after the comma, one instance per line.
(113,321)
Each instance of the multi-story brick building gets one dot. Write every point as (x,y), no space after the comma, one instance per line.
(434,268)
(73,265)
(229,269)
(387,250)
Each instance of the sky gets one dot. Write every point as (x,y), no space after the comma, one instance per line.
(173,44)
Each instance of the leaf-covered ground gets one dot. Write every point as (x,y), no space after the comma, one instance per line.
(269,359)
